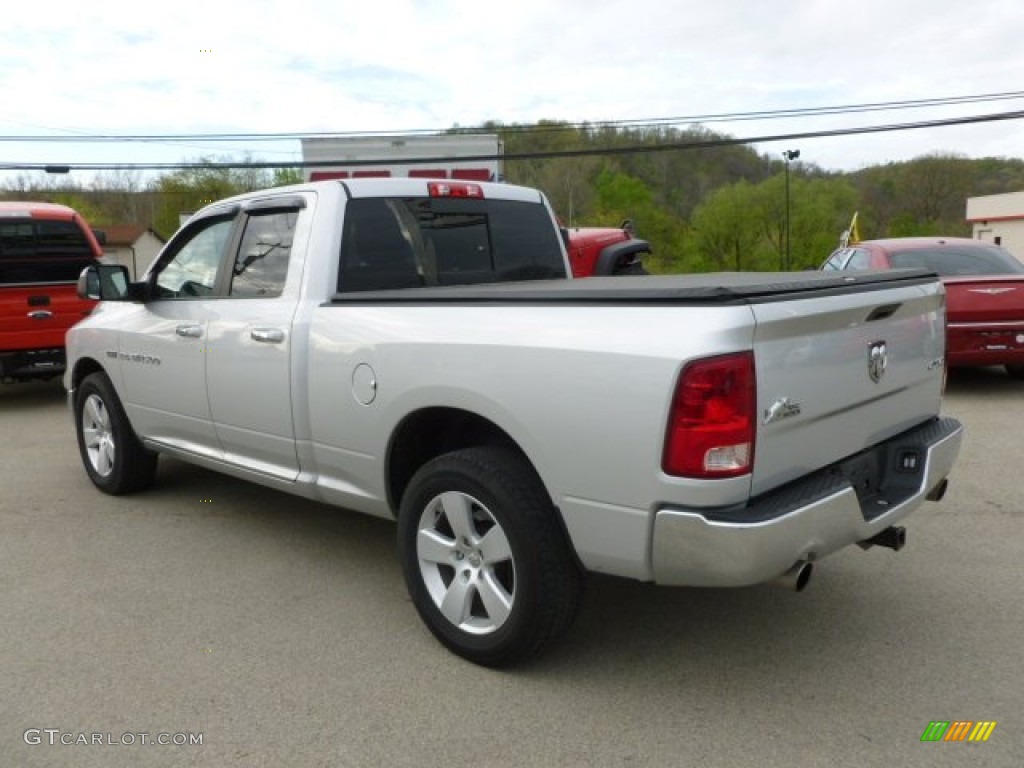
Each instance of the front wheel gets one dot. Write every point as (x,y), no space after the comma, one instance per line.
(113,455)
(488,568)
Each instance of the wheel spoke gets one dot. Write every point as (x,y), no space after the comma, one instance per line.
(457,602)
(105,459)
(432,547)
(91,438)
(459,511)
(494,546)
(97,413)
(496,600)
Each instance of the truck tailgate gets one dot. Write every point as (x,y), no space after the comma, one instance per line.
(839,372)
(38,316)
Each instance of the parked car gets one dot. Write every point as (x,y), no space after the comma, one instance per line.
(43,248)
(984,292)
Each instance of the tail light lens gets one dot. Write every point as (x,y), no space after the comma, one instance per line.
(713,420)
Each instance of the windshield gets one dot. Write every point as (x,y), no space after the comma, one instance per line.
(42,251)
(952,260)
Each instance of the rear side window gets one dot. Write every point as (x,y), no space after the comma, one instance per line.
(42,251)
(261,265)
(836,260)
(860,259)
(412,242)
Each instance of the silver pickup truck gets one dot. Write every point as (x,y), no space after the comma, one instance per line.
(415,350)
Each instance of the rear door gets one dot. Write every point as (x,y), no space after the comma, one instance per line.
(248,362)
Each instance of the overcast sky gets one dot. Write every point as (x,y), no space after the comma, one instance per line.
(72,67)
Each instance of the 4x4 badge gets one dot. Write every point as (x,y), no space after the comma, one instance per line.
(878,360)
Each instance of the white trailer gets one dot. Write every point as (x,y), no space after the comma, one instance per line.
(471,157)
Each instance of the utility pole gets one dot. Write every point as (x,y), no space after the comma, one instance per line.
(789,155)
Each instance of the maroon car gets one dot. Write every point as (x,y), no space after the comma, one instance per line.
(984,292)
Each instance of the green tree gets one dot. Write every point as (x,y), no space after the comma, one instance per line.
(189,189)
(282,177)
(742,226)
(724,234)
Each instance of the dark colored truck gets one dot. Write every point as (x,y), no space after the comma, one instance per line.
(43,249)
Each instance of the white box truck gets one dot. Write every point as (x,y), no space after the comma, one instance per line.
(466,157)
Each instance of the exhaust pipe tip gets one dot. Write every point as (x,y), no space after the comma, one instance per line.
(796,578)
(936,493)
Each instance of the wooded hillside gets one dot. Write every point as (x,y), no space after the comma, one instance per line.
(702,207)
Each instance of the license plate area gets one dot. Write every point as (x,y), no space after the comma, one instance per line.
(885,476)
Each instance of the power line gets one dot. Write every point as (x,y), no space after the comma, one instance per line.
(723,141)
(554,126)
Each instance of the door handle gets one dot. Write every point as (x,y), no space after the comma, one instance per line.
(41,314)
(267,335)
(190,331)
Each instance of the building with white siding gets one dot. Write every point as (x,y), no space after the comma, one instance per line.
(998,219)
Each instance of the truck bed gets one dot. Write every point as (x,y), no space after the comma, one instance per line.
(710,288)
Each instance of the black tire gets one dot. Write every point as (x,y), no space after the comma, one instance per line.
(513,555)
(113,456)
(633,268)
(1015,371)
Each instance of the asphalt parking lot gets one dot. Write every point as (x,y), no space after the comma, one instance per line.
(279,632)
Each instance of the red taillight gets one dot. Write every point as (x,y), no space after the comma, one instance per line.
(712,423)
(454,189)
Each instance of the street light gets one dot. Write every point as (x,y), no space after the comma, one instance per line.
(789,154)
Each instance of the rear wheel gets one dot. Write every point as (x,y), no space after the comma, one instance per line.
(113,455)
(487,565)
(1015,371)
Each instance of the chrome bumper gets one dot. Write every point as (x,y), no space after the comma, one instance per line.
(806,520)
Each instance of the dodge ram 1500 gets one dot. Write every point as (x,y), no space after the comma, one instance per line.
(415,350)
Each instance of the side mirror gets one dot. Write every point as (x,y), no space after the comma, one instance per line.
(104,282)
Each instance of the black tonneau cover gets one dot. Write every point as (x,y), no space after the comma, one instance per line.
(710,288)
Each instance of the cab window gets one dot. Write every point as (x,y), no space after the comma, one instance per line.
(261,265)
(192,271)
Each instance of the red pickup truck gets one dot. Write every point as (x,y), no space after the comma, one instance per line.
(43,249)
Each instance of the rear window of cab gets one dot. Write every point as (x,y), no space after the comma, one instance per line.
(430,241)
(42,251)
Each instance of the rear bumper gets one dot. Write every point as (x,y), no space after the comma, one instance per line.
(25,364)
(805,520)
(977,344)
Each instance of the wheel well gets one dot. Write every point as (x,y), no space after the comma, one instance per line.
(431,432)
(84,367)
(619,254)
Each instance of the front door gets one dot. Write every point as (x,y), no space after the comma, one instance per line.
(164,343)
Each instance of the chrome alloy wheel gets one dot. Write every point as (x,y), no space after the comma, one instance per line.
(466,563)
(97,435)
